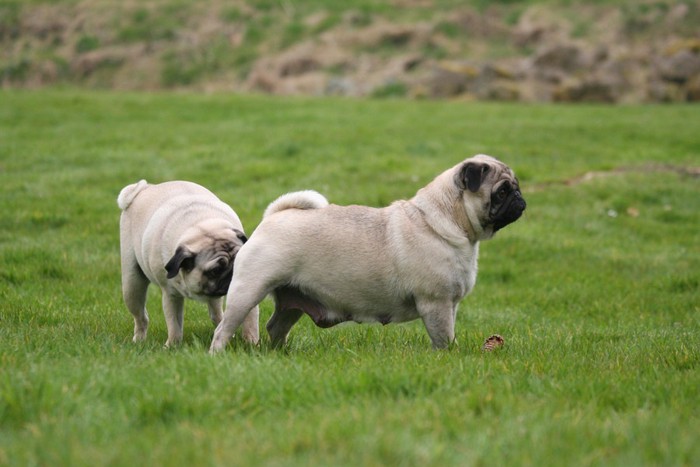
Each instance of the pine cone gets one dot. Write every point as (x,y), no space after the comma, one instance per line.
(493,342)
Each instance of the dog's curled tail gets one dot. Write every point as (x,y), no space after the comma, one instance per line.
(128,193)
(307,199)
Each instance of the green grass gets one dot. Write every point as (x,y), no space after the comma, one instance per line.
(595,289)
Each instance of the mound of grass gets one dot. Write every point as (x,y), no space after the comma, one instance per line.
(216,45)
(595,289)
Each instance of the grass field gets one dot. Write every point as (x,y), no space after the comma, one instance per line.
(595,290)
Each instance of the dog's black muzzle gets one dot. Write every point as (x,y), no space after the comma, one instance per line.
(222,285)
(510,211)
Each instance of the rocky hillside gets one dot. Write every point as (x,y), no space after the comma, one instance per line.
(603,51)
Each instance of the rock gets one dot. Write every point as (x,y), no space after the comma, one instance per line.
(295,66)
(585,90)
(48,72)
(534,90)
(596,55)
(45,22)
(665,91)
(626,75)
(341,86)
(677,13)
(511,70)
(680,67)
(539,25)
(85,64)
(356,18)
(314,20)
(692,89)
(692,45)
(394,35)
(482,25)
(501,90)
(490,81)
(564,57)
(310,84)
(271,73)
(262,80)
(494,82)
(449,79)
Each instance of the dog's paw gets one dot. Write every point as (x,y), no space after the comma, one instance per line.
(139,337)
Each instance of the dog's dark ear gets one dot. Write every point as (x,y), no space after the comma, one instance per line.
(182,259)
(241,236)
(471,176)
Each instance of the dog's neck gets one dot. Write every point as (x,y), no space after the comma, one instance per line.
(444,212)
(466,220)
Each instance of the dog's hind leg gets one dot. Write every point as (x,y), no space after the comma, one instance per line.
(250,328)
(280,323)
(290,305)
(134,287)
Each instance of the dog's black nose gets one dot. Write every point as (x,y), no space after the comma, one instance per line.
(513,212)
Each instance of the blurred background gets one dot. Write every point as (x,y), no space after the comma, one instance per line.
(508,50)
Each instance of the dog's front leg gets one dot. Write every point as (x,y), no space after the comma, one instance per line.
(174,310)
(439,320)
(216,311)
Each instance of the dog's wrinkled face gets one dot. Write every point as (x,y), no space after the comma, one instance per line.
(206,265)
(493,187)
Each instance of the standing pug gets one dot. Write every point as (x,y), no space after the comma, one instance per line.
(181,237)
(412,259)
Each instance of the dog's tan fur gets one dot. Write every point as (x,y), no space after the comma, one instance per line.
(412,259)
(165,229)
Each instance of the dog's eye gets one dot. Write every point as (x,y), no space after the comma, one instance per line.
(217,270)
(501,193)
(213,272)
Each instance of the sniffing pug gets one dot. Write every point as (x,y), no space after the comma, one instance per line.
(180,236)
(412,259)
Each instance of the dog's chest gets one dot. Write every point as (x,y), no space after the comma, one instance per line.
(465,277)
(449,273)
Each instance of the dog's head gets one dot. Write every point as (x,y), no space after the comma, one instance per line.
(204,258)
(490,193)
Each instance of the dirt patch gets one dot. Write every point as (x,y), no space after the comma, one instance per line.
(685,171)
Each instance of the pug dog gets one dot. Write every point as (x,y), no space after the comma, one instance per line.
(412,259)
(180,236)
